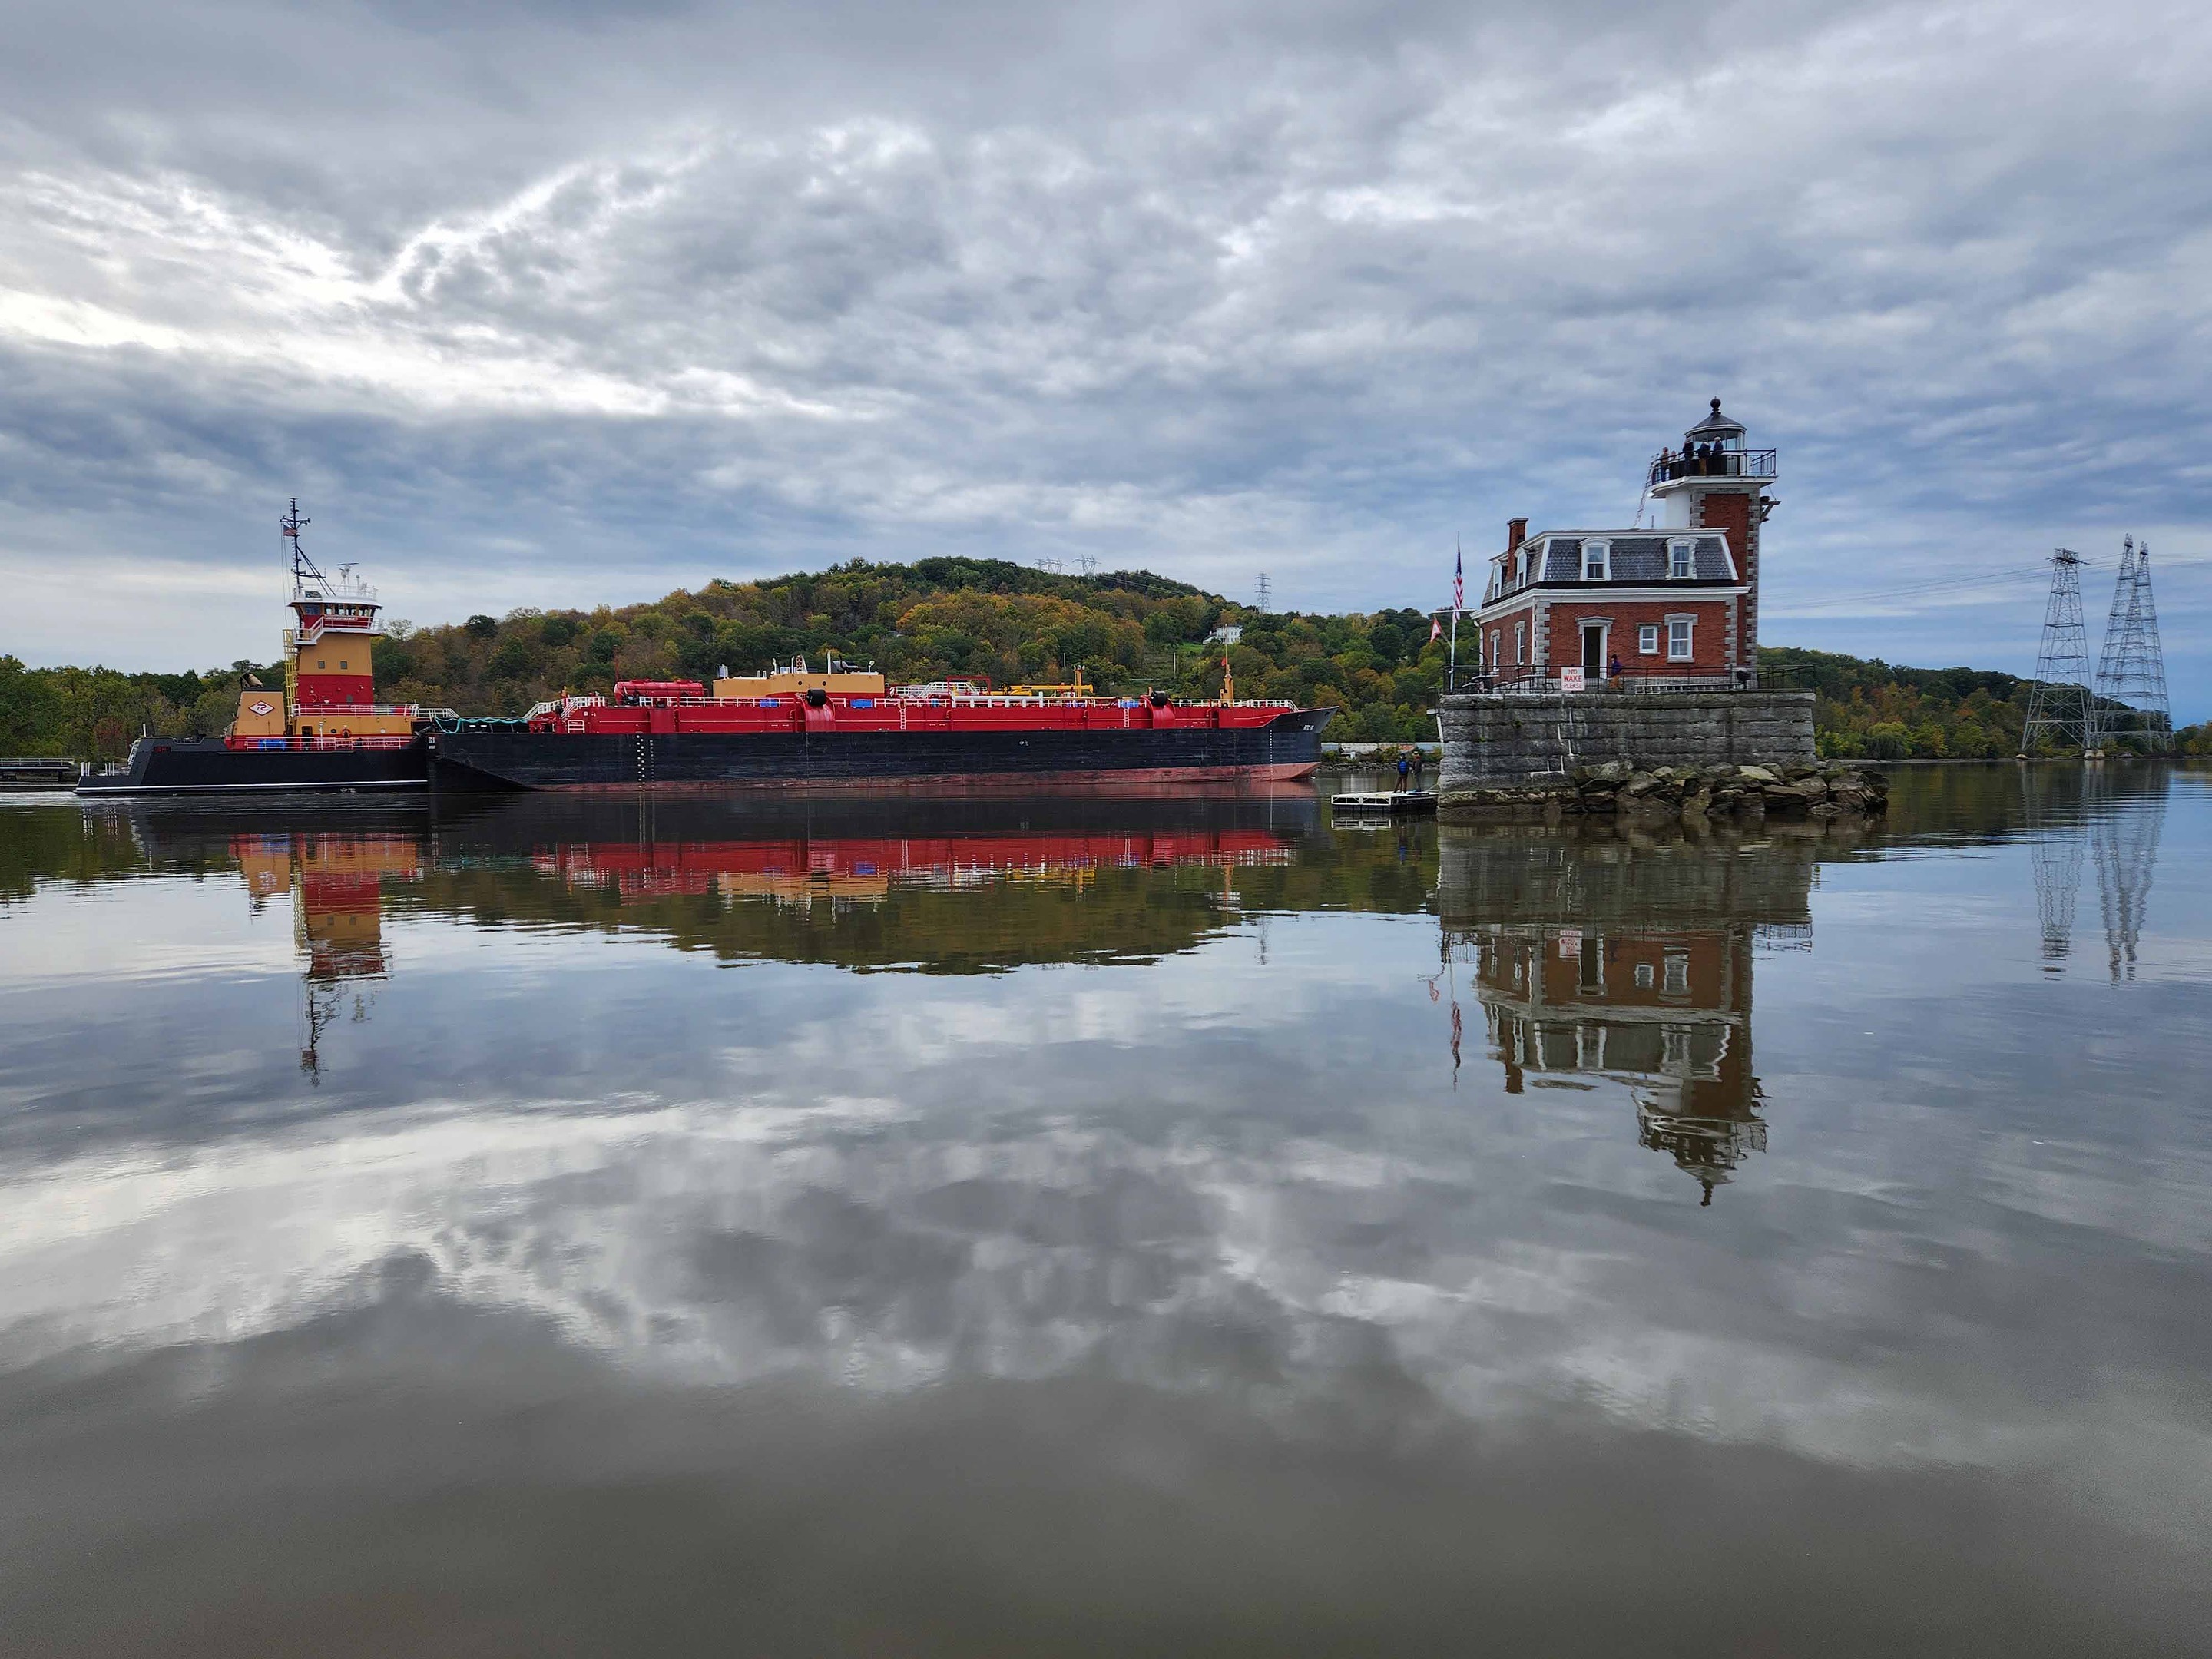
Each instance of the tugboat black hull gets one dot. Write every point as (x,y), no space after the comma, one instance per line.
(207,766)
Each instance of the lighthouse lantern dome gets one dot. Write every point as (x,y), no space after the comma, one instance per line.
(1715,428)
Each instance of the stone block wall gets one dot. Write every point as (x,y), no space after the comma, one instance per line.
(1496,738)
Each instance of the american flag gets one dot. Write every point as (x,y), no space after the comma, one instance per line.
(1459,580)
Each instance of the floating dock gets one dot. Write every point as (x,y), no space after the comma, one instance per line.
(1384,803)
(38,773)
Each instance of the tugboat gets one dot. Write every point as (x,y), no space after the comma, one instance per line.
(324,731)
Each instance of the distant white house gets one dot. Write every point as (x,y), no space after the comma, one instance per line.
(1225,635)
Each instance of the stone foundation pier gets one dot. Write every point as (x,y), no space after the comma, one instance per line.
(1496,739)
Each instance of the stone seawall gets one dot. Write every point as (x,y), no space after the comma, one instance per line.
(1496,739)
(1690,795)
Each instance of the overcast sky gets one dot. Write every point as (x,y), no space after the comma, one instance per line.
(560,304)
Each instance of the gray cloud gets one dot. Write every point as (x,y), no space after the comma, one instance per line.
(565,303)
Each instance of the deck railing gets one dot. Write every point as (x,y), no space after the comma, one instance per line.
(371,741)
(935,700)
(1634,681)
(1727,464)
(332,711)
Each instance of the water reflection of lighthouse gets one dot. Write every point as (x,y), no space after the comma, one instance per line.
(1666,1013)
(336,884)
(1598,962)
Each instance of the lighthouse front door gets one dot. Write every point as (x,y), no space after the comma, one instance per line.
(1593,652)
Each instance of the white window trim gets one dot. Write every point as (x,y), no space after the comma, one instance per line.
(1603,549)
(1520,643)
(1647,639)
(1689,627)
(1689,542)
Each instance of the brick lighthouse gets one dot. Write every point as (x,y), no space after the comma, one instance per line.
(1637,646)
(1677,602)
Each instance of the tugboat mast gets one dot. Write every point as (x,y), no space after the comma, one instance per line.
(303,567)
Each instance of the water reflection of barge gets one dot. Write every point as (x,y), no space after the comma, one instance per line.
(863,868)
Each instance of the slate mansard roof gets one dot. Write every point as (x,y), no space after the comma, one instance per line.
(1639,558)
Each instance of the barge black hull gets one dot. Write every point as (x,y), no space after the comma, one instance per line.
(205,765)
(1287,747)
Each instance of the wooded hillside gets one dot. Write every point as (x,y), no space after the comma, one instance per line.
(1128,631)
(1870,707)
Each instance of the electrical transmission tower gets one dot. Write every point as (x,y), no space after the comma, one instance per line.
(1087,564)
(2055,846)
(2060,703)
(2124,835)
(2132,674)
(1264,594)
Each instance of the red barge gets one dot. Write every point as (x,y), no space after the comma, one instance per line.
(843,724)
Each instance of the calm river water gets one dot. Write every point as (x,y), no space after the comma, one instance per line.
(1095,1225)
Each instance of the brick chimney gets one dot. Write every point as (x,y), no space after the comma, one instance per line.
(1516,532)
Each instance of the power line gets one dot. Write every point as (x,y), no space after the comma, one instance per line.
(1939,586)
(1919,590)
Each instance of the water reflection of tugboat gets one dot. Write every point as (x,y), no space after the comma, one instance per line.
(1596,960)
(337,881)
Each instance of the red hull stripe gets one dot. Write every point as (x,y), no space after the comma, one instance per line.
(1289,772)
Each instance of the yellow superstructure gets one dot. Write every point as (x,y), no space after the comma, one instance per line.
(354,723)
(838,680)
(260,713)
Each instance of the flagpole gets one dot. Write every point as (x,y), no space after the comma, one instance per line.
(1459,599)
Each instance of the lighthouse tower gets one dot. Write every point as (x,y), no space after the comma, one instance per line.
(1717,482)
